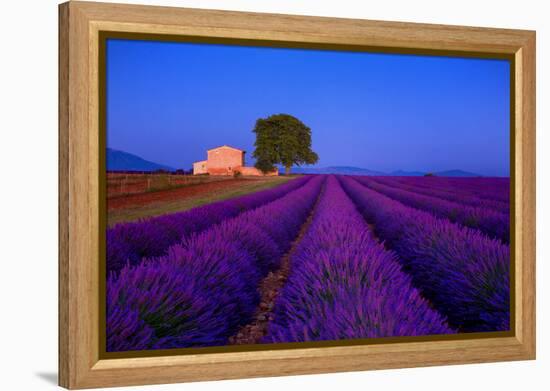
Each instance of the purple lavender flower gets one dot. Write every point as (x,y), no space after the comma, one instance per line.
(491,222)
(205,287)
(463,272)
(344,284)
(131,242)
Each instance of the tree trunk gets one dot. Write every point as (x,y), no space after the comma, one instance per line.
(287,170)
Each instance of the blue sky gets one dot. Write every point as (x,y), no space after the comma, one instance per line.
(170,102)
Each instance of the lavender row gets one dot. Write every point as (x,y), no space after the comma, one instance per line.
(345,285)
(130,242)
(490,189)
(492,223)
(465,274)
(496,189)
(204,288)
(463,199)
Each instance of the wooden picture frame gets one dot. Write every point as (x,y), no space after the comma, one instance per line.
(81,364)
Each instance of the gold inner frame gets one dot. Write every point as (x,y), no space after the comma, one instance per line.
(104,35)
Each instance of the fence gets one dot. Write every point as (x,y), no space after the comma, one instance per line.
(120,183)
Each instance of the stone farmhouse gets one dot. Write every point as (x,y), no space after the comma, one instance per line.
(226,160)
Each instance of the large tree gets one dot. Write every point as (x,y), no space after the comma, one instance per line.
(282,139)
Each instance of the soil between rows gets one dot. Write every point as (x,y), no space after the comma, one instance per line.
(270,288)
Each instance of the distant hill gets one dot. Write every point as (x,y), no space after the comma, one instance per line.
(124,161)
(350,170)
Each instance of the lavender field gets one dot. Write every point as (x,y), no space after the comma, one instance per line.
(320,257)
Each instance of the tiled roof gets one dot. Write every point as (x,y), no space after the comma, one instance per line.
(227,146)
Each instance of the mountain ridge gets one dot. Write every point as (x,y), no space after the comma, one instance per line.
(118,160)
(123,161)
(351,170)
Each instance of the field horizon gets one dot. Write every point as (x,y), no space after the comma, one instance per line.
(121,161)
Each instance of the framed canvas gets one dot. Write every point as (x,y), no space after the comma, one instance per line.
(383,216)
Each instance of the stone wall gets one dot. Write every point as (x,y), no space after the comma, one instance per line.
(200,167)
(224,160)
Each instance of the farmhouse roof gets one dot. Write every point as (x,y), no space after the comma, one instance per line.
(227,146)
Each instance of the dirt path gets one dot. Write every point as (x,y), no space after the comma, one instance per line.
(141,199)
(269,289)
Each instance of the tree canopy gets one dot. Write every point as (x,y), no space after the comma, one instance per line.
(282,139)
